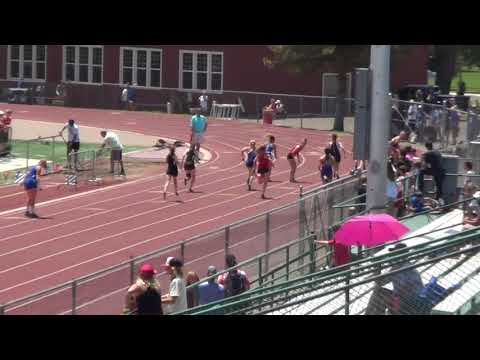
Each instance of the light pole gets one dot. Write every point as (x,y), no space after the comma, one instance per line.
(380,128)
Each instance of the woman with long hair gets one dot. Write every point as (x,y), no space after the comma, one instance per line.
(326,166)
(31,184)
(293,153)
(172,172)
(188,164)
(249,154)
(263,164)
(193,294)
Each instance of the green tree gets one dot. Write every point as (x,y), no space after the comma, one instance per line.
(341,59)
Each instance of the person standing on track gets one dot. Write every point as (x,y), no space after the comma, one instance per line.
(326,167)
(73,144)
(263,164)
(172,172)
(295,152)
(31,183)
(336,147)
(199,125)
(188,164)
(271,150)
(111,141)
(249,154)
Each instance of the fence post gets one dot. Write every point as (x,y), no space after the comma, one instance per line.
(347,296)
(287,260)
(227,242)
(301,112)
(132,269)
(311,241)
(94,158)
(260,279)
(2,310)
(267,240)
(301,228)
(257,106)
(74,297)
(53,152)
(182,251)
(27,155)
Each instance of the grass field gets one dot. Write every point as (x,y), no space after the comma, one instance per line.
(472,81)
(48,150)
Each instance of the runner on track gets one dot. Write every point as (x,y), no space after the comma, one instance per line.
(336,147)
(188,164)
(31,184)
(295,152)
(249,154)
(172,172)
(326,166)
(271,150)
(263,164)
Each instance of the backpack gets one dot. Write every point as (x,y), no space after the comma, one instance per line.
(234,284)
(149,302)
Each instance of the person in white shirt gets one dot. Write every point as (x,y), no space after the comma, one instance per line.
(73,143)
(176,299)
(112,142)
(124,97)
(203,99)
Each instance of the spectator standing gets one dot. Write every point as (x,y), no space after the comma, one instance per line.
(452,125)
(124,97)
(340,252)
(432,165)
(112,141)
(132,97)
(198,126)
(192,293)
(211,291)
(73,144)
(235,281)
(144,296)
(336,149)
(176,299)
(203,100)
(3,131)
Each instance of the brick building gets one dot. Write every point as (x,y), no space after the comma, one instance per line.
(94,73)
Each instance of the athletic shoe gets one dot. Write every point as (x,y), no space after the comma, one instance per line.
(249,187)
(27,214)
(185,181)
(34,216)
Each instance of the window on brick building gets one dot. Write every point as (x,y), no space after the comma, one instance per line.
(141,66)
(83,63)
(28,62)
(200,70)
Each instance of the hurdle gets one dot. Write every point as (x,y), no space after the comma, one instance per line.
(225,111)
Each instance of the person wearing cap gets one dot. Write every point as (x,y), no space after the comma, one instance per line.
(176,299)
(112,141)
(73,143)
(134,303)
(210,291)
(31,184)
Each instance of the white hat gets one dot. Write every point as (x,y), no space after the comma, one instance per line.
(476,195)
(1,112)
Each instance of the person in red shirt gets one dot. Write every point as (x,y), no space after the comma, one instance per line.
(295,152)
(7,118)
(263,165)
(341,253)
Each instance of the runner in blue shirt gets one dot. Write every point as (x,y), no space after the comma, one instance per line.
(249,154)
(31,185)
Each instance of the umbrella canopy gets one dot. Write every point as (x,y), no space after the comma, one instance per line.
(370,230)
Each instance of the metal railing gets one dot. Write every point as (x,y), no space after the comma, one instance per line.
(258,234)
(342,286)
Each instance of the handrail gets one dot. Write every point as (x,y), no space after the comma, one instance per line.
(305,282)
(351,268)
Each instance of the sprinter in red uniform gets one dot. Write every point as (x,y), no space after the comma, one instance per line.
(295,152)
(263,164)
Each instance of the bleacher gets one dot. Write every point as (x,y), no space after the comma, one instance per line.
(437,246)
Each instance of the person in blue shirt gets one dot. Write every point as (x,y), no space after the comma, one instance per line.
(31,184)
(131,97)
(210,291)
(199,125)
(249,154)
(418,203)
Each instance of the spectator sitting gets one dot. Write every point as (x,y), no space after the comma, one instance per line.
(211,291)
(144,296)
(235,281)
(418,203)
(472,219)
(468,167)
(176,299)
(403,136)
(192,293)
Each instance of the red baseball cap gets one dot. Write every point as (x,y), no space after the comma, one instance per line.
(147,269)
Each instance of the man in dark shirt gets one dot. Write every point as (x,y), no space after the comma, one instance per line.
(432,161)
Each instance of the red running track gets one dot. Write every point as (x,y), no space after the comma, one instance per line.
(85,233)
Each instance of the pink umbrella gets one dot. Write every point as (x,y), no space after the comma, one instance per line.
(370,230)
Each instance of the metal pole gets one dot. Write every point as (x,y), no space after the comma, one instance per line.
(132,269)
(27,154)
(260,280)
(182,251)
(257,108)
(267,240)
(227,242)
(94,158)
(301,228)
(74,297)
(287,260)
(2,310)
(380,128)
(301,112)
(53,151)
(347,296)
